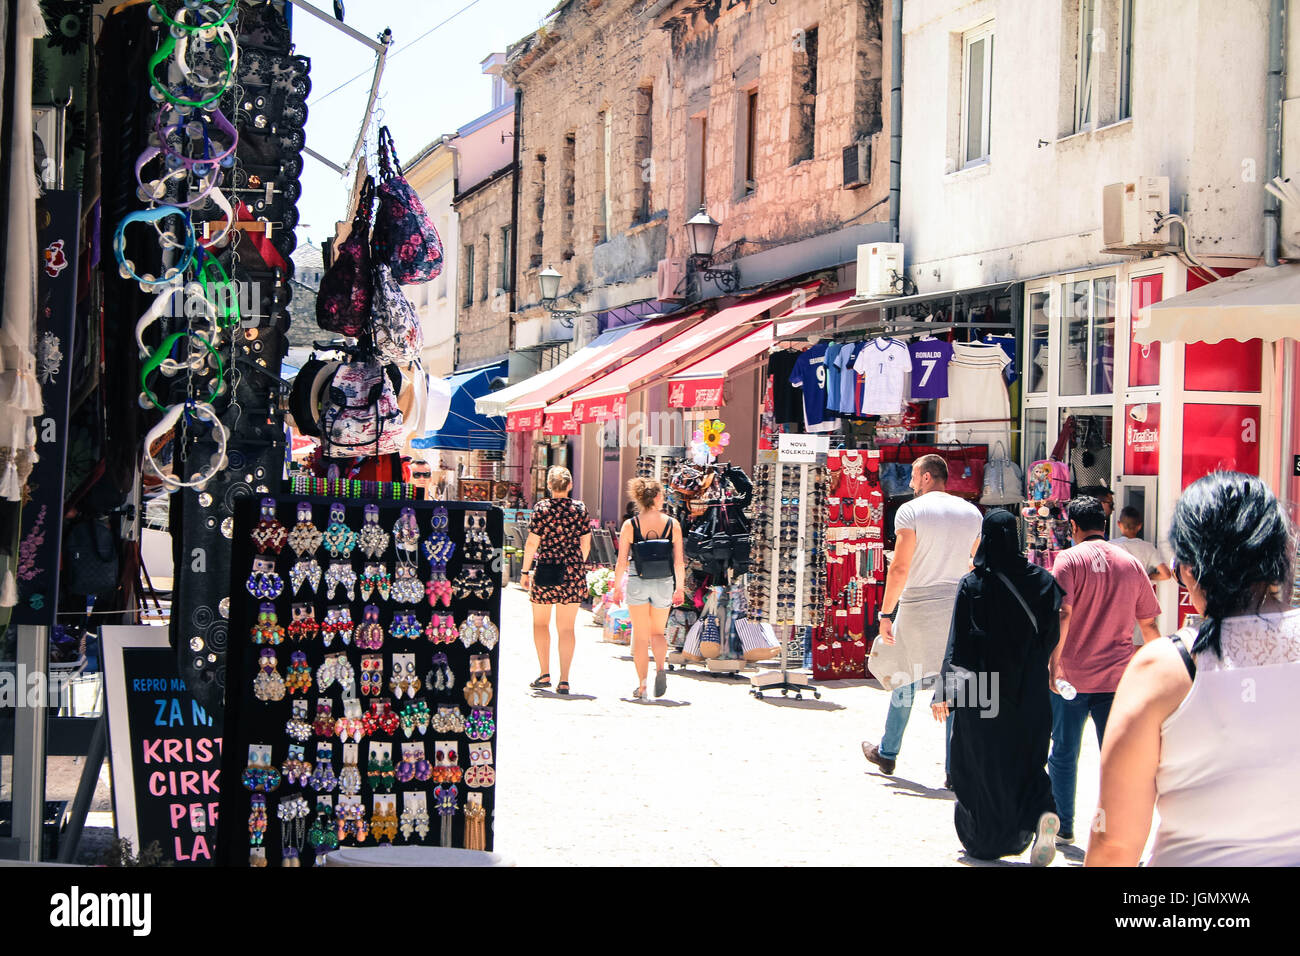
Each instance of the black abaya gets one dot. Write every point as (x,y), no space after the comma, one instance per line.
(996,681)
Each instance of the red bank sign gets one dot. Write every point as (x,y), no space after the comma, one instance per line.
(1142,439)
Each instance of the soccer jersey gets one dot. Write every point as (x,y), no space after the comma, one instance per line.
(883,364)
(1008,345)
(833,377)
(930,358)
(848,378)
(809,376)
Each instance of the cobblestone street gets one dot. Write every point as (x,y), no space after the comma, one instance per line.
(708,775)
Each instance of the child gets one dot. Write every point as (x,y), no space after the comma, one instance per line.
(1130,526)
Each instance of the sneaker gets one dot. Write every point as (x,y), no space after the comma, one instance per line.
(872,753)
(1064,837)
(1043,850)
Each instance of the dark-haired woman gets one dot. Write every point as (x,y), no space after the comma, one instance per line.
(1006,623)
(1203,724)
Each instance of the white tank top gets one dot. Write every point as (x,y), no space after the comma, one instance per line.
(1229,774)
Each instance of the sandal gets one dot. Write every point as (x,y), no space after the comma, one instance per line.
(639,693)
(542,681)
(562,687)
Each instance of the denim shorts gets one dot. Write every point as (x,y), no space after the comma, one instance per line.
(657,592)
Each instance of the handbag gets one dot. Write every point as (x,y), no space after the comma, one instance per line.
(548,574)
(361,414)
(653,557)
(394,324)
(710,636)
(756,638)
(966,470)
(405,239)
(90,558)
(346,290)
(1004,482)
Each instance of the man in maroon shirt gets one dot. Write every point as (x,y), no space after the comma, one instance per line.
(1106,590)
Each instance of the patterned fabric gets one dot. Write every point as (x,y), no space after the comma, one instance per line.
(561,523)
(343,301)
(405,239)
(361,414)
(398,336)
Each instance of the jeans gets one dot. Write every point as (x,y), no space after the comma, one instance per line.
(1068,718)
(900,710)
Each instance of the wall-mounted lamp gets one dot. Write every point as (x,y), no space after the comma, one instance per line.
(702,231)
(549,280)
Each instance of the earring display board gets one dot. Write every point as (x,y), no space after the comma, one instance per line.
(361,678)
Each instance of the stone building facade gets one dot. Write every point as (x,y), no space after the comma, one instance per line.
(483,271)
(634,115)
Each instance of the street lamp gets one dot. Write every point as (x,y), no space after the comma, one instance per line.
(549,280)
(702,231)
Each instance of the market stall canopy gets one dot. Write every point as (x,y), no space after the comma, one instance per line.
(700,385)
(606,397)
(1260,303)
(525,412)
(465,429)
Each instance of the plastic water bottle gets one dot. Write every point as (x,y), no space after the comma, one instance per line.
(1065,689)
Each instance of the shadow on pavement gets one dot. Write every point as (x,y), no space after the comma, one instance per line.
(910,788)
(967,860)
(1074,854)
(552,695)
(804,704)
(661,702)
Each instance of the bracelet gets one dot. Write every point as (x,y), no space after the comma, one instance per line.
(159,14)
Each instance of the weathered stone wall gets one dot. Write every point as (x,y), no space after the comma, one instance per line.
(483,314)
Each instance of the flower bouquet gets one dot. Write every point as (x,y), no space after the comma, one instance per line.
(600,585)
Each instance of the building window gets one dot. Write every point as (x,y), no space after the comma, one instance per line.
(506,279)
(803,96)
(1085,79)
(604,135)
(539,183)
(977,83)
(467,297)
(697,141)
(1088,337)
(746,166)
(567,188)
(1126,59)
(644,144)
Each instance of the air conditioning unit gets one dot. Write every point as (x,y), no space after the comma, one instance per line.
(880,269)
(1131,213)
(671,276)
(857,164)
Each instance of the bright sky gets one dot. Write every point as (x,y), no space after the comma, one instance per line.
(431,85)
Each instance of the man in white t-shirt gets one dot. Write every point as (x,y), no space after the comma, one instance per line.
(936,536)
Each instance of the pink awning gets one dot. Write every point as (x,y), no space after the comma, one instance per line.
(525,413)
(607,396)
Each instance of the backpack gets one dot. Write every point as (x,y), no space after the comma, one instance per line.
(653,556)
(1051,476)
(399,340)
(405,239)
(360,414)
(346,290)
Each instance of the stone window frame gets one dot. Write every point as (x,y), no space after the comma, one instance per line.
(747,158)
(803,116)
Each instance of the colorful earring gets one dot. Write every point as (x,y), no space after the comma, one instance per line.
(269,535)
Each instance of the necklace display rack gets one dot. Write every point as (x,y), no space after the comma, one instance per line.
(786,680)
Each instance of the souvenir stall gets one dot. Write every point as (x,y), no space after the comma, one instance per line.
(719,627)
(932,375)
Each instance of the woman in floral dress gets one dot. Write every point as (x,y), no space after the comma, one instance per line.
(559,537)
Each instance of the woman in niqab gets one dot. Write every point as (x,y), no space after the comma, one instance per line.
(994,683)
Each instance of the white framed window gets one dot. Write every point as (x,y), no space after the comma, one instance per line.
(1086,59)
(976,98)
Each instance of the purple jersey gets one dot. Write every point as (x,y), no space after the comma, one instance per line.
(930,358)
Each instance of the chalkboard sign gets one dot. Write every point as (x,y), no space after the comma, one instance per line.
(166,749)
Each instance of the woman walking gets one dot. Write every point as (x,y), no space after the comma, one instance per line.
(653,542)
(555,555)
(1005,624)
(1203,724)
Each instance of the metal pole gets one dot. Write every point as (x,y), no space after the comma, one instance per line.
(1273,126)
(29,740)
(895,116)
(85,791)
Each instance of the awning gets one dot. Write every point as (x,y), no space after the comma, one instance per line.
(496,403)
(1260,303)
(700,385)
(465,428)
(524,413)
(606,397)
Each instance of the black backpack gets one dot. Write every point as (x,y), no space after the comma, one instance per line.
(653,556)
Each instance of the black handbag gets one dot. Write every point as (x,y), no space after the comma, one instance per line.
(548,575)
(90,558)
(653,557)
